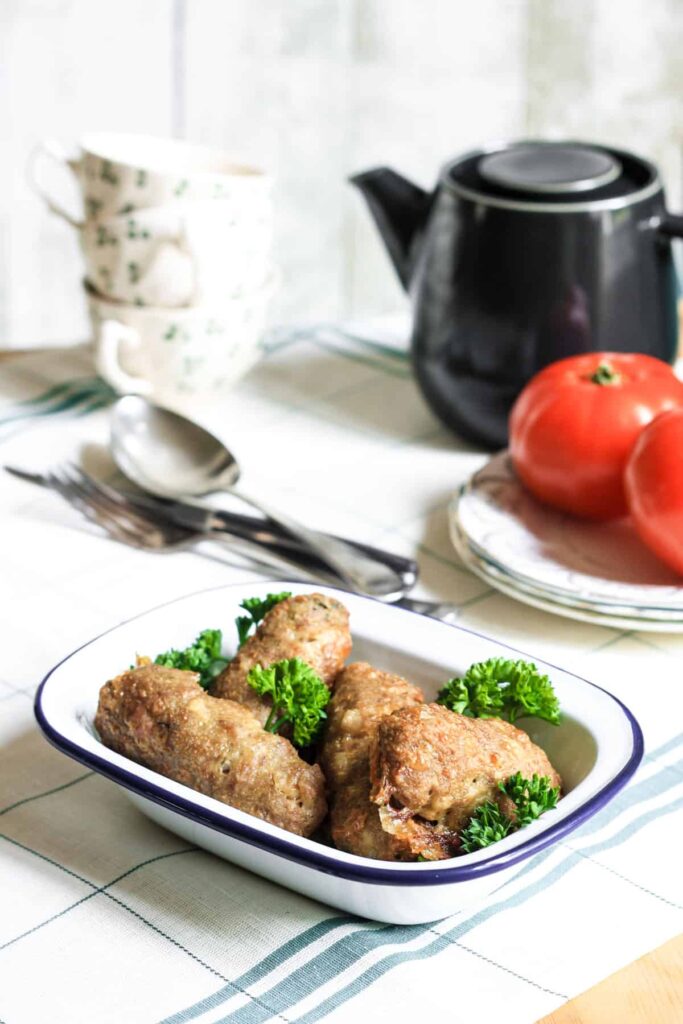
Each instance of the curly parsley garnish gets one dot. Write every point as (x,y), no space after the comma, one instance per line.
(299,697)
(531,797)
(502,688)
(257,608)
(203,656)
(487,825)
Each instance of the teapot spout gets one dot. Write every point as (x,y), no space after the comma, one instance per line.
(399,209)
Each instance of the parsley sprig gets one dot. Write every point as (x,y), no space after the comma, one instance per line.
(299,697)
(502,688)
(256,608)
(203,656)
(531,797)
(487,825)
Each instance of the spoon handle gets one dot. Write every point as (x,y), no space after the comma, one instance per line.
(271,561)
(360,572)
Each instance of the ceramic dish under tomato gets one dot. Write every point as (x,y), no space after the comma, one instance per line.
(596,749)
(597,567)
(512,587)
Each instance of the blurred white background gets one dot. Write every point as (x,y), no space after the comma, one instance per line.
(314,90)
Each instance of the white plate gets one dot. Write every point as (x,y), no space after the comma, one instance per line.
(596,566)
(520,591)
(596,749)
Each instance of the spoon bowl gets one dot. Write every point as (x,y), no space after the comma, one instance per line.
(170,456)
(166,453)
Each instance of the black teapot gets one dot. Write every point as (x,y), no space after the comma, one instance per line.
(524,254)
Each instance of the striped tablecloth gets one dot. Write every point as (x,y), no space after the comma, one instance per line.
(107,918)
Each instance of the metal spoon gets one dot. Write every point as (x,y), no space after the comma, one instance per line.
(170,456)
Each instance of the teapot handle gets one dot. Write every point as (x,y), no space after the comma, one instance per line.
(671,225)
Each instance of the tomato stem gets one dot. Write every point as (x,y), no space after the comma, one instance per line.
(605,374)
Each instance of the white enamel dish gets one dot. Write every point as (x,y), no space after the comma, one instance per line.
(596,749)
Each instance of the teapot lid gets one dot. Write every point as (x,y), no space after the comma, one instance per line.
(556,167)
(553,176)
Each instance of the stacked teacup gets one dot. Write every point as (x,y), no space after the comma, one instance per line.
(177,247)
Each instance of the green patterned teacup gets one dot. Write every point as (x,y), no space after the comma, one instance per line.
(178,255)
(119,174)
(173,356)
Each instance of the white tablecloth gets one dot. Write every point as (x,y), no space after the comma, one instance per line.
(107,918)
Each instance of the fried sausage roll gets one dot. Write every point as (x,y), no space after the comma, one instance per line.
(312,627)
(431,764)
(163,719)
(363,696)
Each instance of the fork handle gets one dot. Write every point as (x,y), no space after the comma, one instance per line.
(268,558)
(271,535)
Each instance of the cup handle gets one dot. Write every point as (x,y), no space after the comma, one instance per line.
(50,149)
(111,334)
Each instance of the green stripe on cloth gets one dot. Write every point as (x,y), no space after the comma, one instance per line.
(368,360)
(48,792)
(58,399)
(442,939)
(93,393)
(104,891)
(334,959)
(96,890)
(402,355)
(260,970)
(56,392)
(319,335)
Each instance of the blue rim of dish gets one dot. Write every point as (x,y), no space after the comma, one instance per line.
(319,859)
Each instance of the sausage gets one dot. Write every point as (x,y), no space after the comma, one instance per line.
(430,764)
(312,627)
(163,719)
(362,697)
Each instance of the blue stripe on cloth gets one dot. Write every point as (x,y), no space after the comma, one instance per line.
(260,970)
(388,963)
(294,987)
(666,748)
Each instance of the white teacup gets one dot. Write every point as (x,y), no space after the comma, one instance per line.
(175,355)
(120,173)
(178,255)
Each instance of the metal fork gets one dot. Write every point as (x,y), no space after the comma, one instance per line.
(126,523)
(123,522)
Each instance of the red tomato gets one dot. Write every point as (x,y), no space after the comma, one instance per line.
(575,423)
(654,487)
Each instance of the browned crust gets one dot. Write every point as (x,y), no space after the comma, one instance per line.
(362,697)
(312,627)
(429,763)
(161,718)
